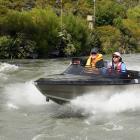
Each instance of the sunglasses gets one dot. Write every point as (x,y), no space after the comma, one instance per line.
(115,56)
(93,53)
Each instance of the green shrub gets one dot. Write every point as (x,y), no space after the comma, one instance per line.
(107,11)
(5,44)
(46,25)
(18,47)
(40,25)
(110,38)
(65,46)
(79,31)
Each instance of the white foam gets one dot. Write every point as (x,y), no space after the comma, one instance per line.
(24,94)
(12,106)
(46,136)
(112,127)
(5,67)
(115,103)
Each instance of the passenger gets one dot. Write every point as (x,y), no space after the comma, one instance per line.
(95,59)
(117,64)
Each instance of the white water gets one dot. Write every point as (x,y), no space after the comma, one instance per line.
(5,67)
(26,116)
(24,94)
(5,71)
(118,102)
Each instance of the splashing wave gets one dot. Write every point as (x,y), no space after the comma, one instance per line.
(128,99)
(24,94)
(5,67)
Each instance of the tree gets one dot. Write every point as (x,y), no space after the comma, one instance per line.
(128,40)
(107,11)
(79,31)
(110,38)
(129,3)
(66,47)
(18,4)
(94,40)
(18,47)
(134,13)
(5,43)
(21,47)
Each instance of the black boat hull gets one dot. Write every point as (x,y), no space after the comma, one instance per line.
(65,93)
(77,80)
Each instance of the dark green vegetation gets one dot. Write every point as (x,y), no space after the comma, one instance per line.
(33,28)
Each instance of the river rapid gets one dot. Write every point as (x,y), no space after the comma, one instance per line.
(25,115)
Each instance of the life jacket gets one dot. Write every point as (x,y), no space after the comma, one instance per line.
(117,67)
(92,62)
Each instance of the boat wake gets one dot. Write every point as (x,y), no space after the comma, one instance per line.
(90,104)
(127,100)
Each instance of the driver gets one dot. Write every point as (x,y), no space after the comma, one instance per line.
(95,59)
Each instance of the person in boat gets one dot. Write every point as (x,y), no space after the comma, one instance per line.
(95,60)
(117,64)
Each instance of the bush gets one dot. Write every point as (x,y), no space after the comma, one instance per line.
(65,46)
(22,47)
(110,38)
(18,47)
(40,26)
(94,40)
(79,31)
(46,25)
(5,44)
(107,11)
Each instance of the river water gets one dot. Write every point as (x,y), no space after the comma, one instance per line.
(24,114)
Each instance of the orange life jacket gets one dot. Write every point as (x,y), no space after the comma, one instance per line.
(92,62)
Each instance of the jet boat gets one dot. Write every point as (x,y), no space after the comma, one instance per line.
(78,80)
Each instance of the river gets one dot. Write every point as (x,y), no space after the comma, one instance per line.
(25,115)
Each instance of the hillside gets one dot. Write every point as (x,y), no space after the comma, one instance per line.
(42,28)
